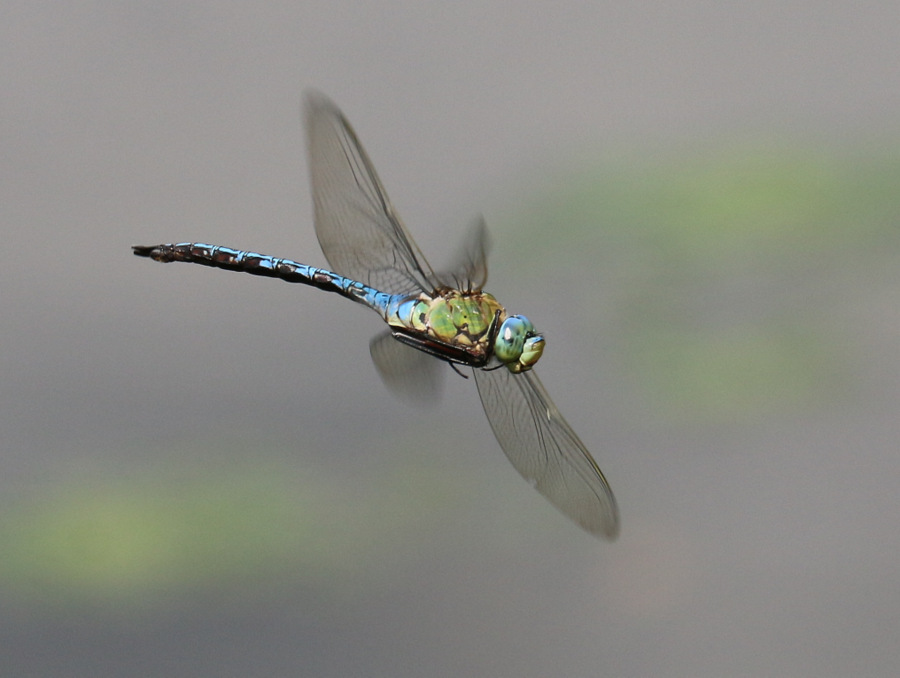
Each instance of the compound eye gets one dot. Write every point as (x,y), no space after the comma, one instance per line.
(511,338)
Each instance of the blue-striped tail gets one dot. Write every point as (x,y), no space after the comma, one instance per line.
(272,267)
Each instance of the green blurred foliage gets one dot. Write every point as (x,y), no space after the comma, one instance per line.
(211,519)
(125,538)
(719,275)
(197,520)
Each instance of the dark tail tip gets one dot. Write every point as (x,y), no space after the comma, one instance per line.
(144,250)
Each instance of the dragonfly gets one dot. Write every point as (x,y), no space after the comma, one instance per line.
(433,317)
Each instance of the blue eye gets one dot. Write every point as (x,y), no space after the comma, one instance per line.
(511,339)
(517,345)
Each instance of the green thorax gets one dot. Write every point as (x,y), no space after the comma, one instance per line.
(455,318)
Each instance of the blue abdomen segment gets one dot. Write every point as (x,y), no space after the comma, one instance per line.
(273,267)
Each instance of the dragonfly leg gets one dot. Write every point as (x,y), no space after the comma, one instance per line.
(456,369)
(439,349)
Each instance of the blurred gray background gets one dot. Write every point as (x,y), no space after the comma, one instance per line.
(200,472)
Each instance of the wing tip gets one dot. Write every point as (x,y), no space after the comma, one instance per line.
(316,102)
(607,528)
(610,532)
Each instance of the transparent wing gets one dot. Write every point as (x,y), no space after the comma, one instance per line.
(413,376)
(468,271)
(545,450)
(359,231)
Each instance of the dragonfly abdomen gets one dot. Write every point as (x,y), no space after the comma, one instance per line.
(254,263)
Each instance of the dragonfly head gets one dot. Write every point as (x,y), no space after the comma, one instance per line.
(517,345)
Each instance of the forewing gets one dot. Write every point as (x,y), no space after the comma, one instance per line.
(468,271)
(545,450)
(359,231)
(413,376)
